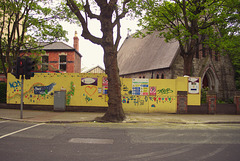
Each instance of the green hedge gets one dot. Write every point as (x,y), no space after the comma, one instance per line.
(3,90)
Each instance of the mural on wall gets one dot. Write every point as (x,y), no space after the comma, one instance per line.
(16,85)
(138,100)
(164,91)
(154,98)
(44,90)
(91,90)
(70,93)
(36,93)
(87,98)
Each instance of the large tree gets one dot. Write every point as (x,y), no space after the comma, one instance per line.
(108,13)
(23,23)
(229,29)
(186,21)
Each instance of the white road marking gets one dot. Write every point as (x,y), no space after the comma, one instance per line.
(91,141)
(21,130)
(4,121)
(218,150)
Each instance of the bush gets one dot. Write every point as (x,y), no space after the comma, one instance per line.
(204,95)
(3,91)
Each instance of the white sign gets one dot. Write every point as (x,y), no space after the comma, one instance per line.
(140,86)
(193,85)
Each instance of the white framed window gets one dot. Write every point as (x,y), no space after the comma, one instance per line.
(44,62)
(63,62)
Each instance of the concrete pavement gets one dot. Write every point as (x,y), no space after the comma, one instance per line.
(72,117)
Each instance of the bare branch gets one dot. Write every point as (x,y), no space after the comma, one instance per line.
(89,12)
(85,33)
(122,15)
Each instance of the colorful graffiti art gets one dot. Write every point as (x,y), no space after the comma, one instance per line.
(91,90)
(87,98)
(43,90)
(164,91)
(70,93)
(15,85)
(137,100)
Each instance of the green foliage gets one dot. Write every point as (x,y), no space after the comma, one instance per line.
(23,24)
(185,20)
(3,92)
(204,95)
(234,52)
(181,20)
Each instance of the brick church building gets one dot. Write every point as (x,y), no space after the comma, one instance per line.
(151,57)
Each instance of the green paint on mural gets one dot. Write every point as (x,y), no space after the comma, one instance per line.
(70,93)
(164,91)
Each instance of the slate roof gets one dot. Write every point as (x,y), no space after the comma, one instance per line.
(89,70)
(57,46)
(146,54)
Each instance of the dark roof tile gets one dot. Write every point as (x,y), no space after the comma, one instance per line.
(144,54)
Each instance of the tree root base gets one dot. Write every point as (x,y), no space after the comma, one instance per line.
(118,118)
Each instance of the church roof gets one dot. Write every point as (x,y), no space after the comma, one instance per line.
(145,54)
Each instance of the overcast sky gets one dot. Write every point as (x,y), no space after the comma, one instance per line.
(92,53)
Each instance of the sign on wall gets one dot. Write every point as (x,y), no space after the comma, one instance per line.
(153,90)
(105,85)
(89,81)
(140,86)
(193,85)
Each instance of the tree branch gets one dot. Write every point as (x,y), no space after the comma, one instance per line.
(89,12)
(122,15)
(185,15)
(85,33)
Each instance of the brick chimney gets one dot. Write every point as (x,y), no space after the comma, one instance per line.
(76,42)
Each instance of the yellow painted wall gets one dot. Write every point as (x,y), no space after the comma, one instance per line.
(195,99)
(40,90)
(76,94)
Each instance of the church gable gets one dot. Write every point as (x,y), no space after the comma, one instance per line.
(145,54)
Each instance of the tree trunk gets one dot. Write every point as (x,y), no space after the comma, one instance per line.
(3,64)
(188,58)
(109,10)
(115,111)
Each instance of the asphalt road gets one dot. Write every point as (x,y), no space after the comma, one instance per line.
(117,142)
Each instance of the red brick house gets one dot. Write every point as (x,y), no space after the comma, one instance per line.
(61,57)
